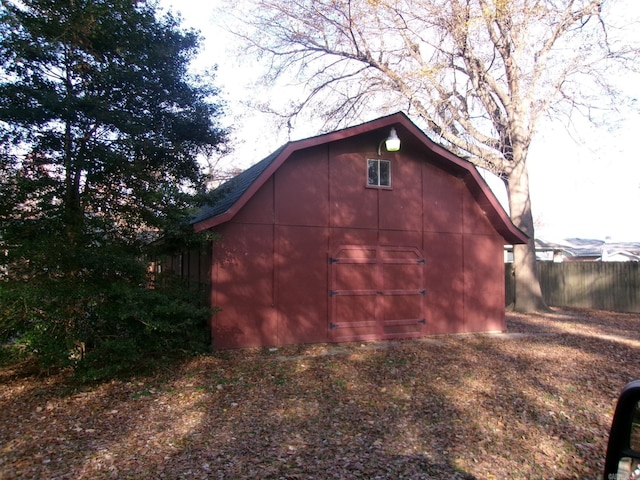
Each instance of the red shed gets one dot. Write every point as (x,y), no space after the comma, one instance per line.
(335,238)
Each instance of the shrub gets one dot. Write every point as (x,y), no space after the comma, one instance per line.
(102,327)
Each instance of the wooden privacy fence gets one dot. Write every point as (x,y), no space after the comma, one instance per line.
(601,285)
(193,266)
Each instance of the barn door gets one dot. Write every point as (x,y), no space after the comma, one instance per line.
(376,293)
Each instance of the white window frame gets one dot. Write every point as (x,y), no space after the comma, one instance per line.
(378,177)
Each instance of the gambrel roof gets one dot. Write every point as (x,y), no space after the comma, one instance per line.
(234,194)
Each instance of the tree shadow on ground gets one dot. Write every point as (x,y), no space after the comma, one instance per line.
(530,406)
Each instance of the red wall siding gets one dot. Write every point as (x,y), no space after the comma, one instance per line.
(272,272)
(399,237)
(351,204)
(483,272)
(475,222)
(243,287)
(352,236)
(260,208)
(301,284)
(302,189)
(483,292)
(444,282)
(442,201)
(401,207)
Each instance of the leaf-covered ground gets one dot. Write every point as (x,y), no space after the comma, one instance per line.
(535,403)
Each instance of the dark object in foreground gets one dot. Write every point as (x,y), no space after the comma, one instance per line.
(623,453)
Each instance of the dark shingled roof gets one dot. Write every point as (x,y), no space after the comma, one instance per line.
(230,191)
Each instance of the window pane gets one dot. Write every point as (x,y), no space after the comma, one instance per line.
(372,172)
(378,173)
(385,173)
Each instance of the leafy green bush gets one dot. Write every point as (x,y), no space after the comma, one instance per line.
(11,353)
(101,330)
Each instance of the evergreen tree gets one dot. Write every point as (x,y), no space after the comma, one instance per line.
(100,128)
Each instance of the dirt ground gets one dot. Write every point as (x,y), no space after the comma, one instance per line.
(534,403)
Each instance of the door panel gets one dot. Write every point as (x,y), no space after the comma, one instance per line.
(403,286)
(357,314)
(353,294)
(402,277)
(354,276)
(376,293)
(402,314)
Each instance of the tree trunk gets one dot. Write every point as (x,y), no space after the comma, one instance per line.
(528,294)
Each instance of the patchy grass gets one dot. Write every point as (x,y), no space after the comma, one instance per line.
(533,404)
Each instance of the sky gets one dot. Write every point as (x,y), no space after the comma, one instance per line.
(583,184)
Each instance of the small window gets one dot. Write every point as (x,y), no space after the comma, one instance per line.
(378,173)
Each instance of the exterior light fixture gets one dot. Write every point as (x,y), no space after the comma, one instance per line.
(392,143)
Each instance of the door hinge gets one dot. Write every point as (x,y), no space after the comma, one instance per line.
(423,292)
(422,261)
(333,260)
(333,292)
(333,326)
(423,321)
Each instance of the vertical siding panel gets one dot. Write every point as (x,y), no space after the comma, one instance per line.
(244,262)
(483,297)
(444,283)
(301,278)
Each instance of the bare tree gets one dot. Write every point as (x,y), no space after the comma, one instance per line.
(477,75)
